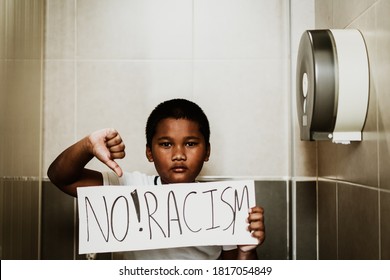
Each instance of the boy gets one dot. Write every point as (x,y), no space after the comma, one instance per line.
(177,142)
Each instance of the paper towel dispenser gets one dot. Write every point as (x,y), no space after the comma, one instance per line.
(332,85)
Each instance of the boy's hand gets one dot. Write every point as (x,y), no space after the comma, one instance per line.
(256,227)
(107,145)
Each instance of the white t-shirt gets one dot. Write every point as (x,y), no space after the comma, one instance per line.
(182,253)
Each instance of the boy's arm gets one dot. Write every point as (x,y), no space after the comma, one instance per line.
(68,170)
(237,254)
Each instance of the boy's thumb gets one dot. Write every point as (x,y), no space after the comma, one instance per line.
(115,167)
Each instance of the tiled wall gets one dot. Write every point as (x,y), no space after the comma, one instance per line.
(21,86)
(21,56)
(19,218)
(114,60)
(108,63)
(60,232)
(354,184)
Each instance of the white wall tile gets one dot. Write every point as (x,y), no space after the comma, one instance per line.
(231,56)
(134,29)
(237,29)
(246,102)
(122,95)
(60,27)
(304,154)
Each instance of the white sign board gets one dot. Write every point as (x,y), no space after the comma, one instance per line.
(126,218)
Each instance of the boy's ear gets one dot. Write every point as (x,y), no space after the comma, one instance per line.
(208,151)
(149,154)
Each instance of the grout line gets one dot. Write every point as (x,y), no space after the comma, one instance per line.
(321,179)
(193,50)
(317,224)
(41,124)
(291,201)
(380,228)
(337,220)
(378,161)
(75,123)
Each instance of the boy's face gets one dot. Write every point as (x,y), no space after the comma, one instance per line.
(178,150)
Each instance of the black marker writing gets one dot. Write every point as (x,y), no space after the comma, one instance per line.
(212,209)
(172,199)
(184,212)
(127,220)
(97,220)
(167,213)
(134,196)
(150,214)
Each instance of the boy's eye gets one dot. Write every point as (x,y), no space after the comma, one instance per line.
(191,144)
(165,144)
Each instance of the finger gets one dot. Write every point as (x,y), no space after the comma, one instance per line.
(256,223)
(255,217)
(256,209)
(115,167)
(256,226)
(118,155)
(114,141)
(255,213)
(117,149)
(257,232)
(111,133)
(259,235)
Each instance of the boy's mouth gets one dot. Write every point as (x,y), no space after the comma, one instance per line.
(179,168)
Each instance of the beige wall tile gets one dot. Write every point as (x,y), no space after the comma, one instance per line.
(357,162)
(20,223)
(383,88)
(21,87)
(385,225)
(324,14)
(327,224)
(2,29)
(24,23)
(21,121)
(346,11)
(356,207)
(59,109)
(3,87)
(364,163)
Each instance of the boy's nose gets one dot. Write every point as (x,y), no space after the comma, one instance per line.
(179,154)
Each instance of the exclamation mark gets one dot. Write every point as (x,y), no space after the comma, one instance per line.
(134,196)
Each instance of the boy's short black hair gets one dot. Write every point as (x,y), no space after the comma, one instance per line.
(177,109)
